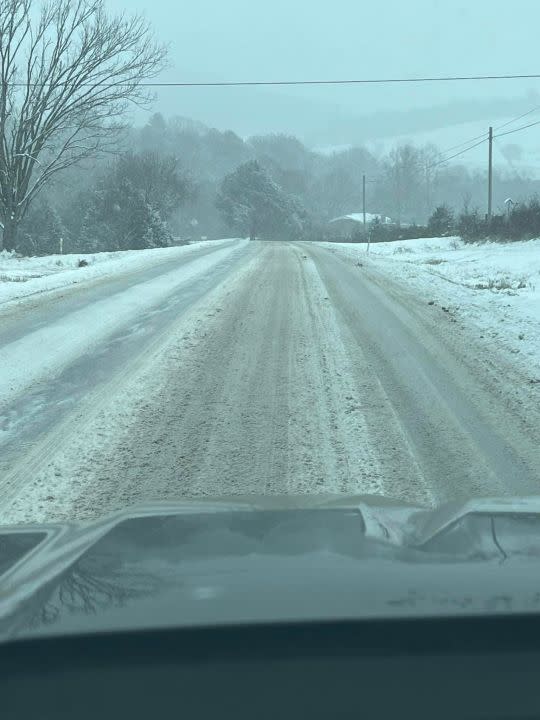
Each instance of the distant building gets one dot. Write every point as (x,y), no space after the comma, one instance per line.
(354,218)
(346,224)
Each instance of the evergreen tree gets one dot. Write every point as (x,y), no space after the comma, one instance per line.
(442,222)
(129,206)
(253,204)
(43,232)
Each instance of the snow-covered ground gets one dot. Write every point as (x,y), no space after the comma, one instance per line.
(43,353)
(21,277)
(493,286)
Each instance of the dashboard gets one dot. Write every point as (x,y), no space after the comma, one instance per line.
(465,667)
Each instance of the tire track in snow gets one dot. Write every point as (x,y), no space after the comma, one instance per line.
(257,390)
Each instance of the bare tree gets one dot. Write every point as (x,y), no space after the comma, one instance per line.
(403,179)
(431,161)
(67,75)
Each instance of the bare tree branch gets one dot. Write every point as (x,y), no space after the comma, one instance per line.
(66,80)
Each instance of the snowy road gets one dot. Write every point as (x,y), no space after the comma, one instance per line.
(277,368)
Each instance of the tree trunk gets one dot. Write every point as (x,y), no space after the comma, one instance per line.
(252,230)
(9,235)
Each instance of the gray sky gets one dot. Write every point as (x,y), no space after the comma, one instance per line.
(307,39)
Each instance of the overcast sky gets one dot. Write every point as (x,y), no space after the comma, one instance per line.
(308,39)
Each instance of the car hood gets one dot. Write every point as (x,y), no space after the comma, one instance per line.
(269,559)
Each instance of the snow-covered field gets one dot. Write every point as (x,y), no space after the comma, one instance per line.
(21,277)
(493,286)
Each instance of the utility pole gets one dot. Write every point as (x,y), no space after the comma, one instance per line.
(364,202)
(490,175)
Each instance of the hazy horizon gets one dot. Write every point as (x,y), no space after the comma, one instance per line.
(246,40)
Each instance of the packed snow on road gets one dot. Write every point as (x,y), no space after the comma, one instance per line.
(273,368)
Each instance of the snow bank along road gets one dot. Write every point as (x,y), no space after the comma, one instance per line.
(268,368)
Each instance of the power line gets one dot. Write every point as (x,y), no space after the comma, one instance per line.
(361,81)
(484,135)
(528,168)
(351,81)
(483,138)
(492,137)
(465,142)
(523,127)
(452,157)
(520,117)
(471,147)
(506,159)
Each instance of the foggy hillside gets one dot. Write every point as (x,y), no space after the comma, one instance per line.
(318,122)
(165,183)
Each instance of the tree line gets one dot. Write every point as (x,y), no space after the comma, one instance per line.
(180,180)
(519,221)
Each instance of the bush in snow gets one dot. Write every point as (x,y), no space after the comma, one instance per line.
(524,220)
(129,207)
(441,223)
(521,223)
(120,219)
(471,227)
(42,231)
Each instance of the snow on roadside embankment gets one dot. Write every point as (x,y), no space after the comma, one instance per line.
(43,353)
(21,277)
(494,287)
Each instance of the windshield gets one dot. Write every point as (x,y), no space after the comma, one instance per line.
(267,250)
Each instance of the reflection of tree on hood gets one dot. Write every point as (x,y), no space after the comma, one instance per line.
(94,584)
